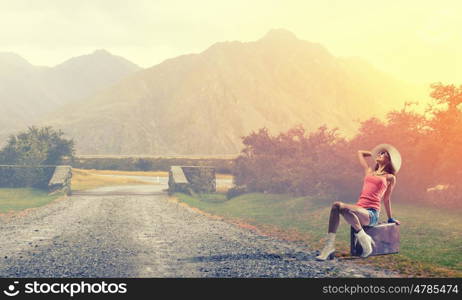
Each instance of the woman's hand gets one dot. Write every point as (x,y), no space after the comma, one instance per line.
(392,220)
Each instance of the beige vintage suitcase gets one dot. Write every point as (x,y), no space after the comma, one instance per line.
(385,236)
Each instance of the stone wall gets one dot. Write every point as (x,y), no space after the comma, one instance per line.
(61,180)
(199,179)
(177,181)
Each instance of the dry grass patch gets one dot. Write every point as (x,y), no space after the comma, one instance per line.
(88,179)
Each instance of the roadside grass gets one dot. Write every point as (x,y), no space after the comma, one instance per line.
(431,241)
(89,179)
(17,199)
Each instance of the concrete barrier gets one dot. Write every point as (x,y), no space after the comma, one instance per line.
(61,180)
(188,179)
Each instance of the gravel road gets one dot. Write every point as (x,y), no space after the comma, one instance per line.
(138,231)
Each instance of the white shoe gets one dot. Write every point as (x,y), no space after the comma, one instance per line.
(329,249)
(326,253)
(365,241)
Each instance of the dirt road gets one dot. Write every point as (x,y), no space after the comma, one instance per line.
(136,231)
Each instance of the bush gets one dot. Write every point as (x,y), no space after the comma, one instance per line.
(36,146)
(144,164)
(236,191)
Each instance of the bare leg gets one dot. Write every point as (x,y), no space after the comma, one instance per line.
(355,215)
(329,249)
(351,218)
(334,218)
(358,216)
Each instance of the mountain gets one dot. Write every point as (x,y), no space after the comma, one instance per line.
(20,90)
(203,103)
(83,76)
(27,92)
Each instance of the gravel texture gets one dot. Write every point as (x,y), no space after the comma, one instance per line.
(127,232)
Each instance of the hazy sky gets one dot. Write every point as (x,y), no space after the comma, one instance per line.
(418,41)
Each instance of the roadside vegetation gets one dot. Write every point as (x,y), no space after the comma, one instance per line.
(17,199)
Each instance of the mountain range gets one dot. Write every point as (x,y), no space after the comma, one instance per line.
(203,103)
(28,92)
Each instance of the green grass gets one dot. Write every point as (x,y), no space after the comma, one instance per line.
(431,243)
(16,199)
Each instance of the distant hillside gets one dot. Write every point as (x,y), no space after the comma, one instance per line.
(83,76)
(27,92)
(201,104)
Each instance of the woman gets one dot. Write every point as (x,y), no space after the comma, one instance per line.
(378,184)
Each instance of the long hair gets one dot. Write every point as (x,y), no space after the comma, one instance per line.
(388,168)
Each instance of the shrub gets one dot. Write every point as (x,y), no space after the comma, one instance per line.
(236,191)
(36,146)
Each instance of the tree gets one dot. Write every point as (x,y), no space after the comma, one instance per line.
(293,162)
(37,146)
(446,125)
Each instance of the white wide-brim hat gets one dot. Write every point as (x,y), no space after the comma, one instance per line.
(395,156)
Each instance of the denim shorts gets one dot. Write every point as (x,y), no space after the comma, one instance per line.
(374,216)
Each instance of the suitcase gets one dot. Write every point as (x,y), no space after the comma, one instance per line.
(385,236)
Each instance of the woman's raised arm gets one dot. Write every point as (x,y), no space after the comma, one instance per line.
(387,201)
(363,162)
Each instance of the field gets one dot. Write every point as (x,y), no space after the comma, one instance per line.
(431,244)
(88,179)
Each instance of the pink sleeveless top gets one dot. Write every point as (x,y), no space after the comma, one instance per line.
(374,188)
